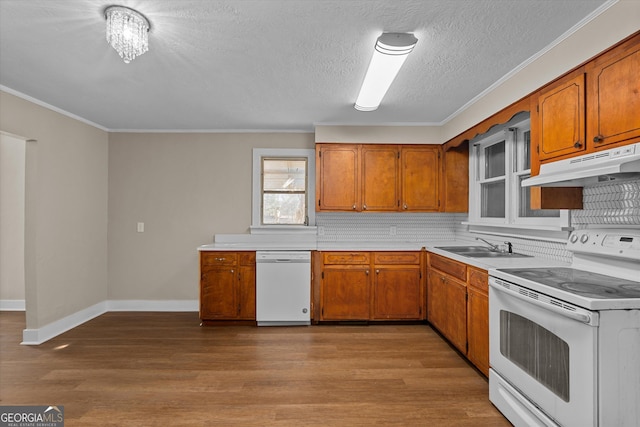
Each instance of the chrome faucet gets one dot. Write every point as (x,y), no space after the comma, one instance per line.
(494,247)
(509,247)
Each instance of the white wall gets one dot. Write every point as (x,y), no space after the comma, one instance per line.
(12,203)
(185,188)
(66,210)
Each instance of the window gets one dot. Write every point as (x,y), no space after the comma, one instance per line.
(283,188)
(284,191)
(499,162)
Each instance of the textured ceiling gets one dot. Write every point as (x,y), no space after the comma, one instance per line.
(270,64)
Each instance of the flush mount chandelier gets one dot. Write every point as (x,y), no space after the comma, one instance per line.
(390,52)
(127,32)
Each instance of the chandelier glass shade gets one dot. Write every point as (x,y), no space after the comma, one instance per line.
(127,32)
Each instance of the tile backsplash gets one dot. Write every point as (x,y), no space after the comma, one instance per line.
(609,203)
(387,227)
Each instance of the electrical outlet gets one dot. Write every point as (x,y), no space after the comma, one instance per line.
(141,227)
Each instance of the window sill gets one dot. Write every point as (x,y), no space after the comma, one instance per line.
(283,229)
(548,233)
(519,226)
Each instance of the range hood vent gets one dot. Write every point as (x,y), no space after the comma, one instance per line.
(616,163)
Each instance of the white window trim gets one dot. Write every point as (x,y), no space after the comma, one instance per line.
(511,219)
(256,201)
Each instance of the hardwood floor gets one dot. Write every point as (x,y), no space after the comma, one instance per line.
(150,369)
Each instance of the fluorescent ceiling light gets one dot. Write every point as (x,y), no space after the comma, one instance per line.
(390,53)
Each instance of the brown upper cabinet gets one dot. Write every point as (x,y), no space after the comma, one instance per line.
(560,118)
(594,107)
(380,177)
(420,178)
(380,188)
(613,96)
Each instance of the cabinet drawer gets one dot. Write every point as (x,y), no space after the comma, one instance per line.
(219,258)
(340,258)
(247,258)
(404,258)
(449,266)
(478,279)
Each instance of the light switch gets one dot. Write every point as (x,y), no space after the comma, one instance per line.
(141,227)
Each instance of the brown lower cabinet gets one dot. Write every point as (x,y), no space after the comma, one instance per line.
(457,306)
(227,285)
(369,286)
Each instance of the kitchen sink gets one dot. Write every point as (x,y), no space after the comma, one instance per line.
(464,249)
(491,254)
(480,252)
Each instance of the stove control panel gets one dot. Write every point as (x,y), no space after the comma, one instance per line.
(612,242)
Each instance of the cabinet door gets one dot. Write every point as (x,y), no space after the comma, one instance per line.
(436,300)
(478,329)
(614,96)
(456,313)
(420,172)
(218,293)
(337,177)
(380,178)
(247,293)
(345,293)
(560,118)
(456,179)
(396,293)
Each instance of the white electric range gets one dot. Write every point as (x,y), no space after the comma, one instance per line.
(565,342)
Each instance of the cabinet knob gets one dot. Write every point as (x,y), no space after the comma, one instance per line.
(364,207)
(377,271)
(598,138)
(405,206)
(354,207)
(577,144)
(366,272)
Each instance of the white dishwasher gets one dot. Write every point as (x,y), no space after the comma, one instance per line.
(283,288)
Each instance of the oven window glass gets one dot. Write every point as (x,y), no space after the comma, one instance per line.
(537,351)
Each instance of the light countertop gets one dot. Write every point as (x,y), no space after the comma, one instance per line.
(289,244)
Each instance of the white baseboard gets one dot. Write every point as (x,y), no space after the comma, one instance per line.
(12,305)
(40,335)
(153,305)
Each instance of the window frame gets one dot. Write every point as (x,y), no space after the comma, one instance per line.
(256,204)
(516,166)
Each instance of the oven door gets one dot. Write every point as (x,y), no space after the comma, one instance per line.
(546,351)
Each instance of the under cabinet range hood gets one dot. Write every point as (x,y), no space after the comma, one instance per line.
(615,163)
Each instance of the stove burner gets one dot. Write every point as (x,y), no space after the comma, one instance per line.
(536,274)
(589,289)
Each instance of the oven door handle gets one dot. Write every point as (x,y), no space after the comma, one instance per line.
(580,317)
